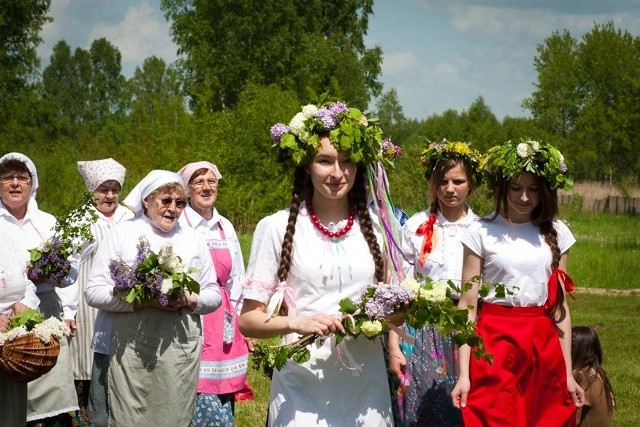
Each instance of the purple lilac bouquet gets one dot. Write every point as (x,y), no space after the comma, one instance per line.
(153,276)
(422,302)
(51,259)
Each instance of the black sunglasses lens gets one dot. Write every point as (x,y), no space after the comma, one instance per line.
(179,203)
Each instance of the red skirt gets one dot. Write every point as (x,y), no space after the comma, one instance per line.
(526,385)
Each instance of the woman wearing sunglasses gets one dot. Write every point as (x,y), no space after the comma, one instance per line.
(154,347)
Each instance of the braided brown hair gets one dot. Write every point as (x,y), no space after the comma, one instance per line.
(301,187)
(358,195)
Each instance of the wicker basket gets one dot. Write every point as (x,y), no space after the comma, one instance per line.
(26,358)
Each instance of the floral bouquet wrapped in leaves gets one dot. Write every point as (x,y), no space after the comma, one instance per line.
(154,276)
(51,258)
(30,346)
(421,303)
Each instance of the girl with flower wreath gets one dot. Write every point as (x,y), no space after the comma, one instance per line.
(306,258)
(523,246)
(431,238)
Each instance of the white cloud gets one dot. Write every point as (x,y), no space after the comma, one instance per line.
(395,63)
(141,33)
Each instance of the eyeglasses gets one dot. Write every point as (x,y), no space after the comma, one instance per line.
(26,180)
(180,203)
(199,183)
(105,190)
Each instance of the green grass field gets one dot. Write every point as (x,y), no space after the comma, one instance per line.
(606,256)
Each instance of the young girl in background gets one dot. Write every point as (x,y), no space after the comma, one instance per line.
(431,243)
(586,356)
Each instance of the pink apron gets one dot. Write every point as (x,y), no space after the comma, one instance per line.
(223,364)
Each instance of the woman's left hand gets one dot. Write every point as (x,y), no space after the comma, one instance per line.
(576,392)
(187,299)
(19,308)
(4,323)
(251,342)
(72,326)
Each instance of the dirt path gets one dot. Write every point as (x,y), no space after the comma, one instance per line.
(602,291)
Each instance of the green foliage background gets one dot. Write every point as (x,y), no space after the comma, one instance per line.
(81,107)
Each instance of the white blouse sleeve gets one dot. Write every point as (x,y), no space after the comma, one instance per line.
(261,280)
(99,289)
(565,237)
(472,239)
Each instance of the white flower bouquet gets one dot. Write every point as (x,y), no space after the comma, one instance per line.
(30,347)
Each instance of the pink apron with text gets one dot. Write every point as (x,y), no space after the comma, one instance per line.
(223,364)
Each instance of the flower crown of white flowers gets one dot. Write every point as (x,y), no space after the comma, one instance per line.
(349,130)
(510,159)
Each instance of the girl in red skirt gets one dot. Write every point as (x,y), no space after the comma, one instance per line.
(523,247)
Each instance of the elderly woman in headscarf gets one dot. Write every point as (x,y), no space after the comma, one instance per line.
(53,394)
(17,293)
(154,349)
(223,365)
(104,179)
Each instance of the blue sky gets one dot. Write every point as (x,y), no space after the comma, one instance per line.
(438,54)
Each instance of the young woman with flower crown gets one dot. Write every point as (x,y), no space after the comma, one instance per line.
(307,258)
(431,238)
(523,246)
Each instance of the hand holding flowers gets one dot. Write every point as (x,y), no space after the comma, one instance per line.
(156,279)
(51,259)
(31,321)
(369,313)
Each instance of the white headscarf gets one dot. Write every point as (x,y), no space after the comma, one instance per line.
(154,180)
(32,169)
(95,172)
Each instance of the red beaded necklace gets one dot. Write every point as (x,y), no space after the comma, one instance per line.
(324,230)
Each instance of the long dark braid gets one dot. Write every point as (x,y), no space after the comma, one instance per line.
(359,197)
(301,182)
(543,215)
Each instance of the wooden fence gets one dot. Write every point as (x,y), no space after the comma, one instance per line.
(610,204)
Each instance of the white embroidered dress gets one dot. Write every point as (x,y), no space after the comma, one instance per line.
(326,390)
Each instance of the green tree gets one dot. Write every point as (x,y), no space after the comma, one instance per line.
(481,126)
(587,99)
(108,86)
(64,92)
(20,25)
(555,103)
(392,118)
(609,123)
(309,47)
